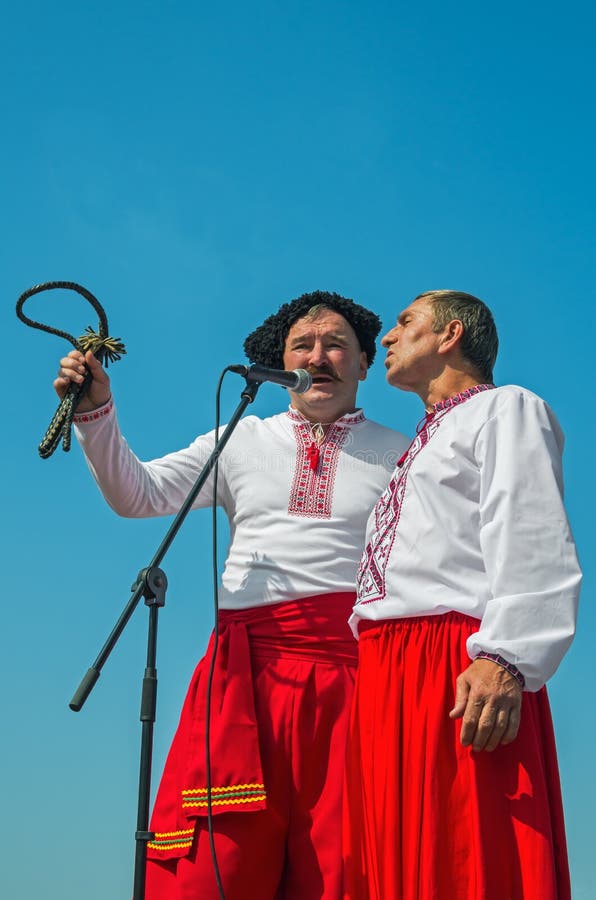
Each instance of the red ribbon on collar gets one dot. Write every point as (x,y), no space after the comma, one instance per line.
(313,454)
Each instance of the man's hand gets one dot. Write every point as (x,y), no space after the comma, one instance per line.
(73,368)
(489,699)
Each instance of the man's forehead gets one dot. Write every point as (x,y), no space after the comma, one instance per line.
(326,319)
(419,307)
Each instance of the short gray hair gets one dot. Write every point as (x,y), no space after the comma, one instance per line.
(480,341)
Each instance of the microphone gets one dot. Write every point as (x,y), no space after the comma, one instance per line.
(298,380)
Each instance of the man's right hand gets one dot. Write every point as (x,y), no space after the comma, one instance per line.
(73,368)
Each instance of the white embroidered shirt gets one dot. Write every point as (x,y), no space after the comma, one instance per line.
(473,521)
(296,522)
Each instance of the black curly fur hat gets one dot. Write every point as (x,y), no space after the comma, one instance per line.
(265,345)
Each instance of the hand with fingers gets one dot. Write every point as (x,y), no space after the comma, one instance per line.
(488,700)
(72,371)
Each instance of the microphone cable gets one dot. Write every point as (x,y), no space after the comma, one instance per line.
(215,647)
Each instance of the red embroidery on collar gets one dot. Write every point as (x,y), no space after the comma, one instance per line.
(450,402)
(349,419)
(443,406)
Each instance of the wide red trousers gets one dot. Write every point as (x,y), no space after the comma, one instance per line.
(283,685)
(428,819)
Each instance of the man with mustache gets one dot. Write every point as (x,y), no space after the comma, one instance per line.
(298,488)
(467,596)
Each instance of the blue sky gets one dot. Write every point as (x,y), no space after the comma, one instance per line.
(195,166)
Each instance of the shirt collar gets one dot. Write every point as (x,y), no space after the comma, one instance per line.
(457,399)
(353,418)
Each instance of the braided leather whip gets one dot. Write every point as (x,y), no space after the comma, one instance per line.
(106,349)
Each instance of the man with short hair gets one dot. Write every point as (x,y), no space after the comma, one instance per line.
(297,488)
(467,595)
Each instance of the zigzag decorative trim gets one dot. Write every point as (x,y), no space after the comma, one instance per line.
(222,796)
(193,798)
(172,840)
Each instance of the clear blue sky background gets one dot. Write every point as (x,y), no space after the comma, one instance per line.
(195,166)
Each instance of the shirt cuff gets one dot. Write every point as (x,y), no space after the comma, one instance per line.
(93,415)
(505,664)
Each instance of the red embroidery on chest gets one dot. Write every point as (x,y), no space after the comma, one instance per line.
(387,512)
(311,493)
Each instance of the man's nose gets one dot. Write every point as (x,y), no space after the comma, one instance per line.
(389,338)
(318,354)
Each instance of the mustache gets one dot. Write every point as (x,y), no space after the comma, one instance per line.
(313,371)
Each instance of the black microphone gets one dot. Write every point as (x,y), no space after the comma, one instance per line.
(298,380)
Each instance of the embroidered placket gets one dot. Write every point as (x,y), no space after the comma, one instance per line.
(311,493)
(387,512)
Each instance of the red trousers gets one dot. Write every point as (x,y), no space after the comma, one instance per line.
(428,819)
(280,712)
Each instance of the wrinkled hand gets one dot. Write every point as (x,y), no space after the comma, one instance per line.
(72,369)
(489,699)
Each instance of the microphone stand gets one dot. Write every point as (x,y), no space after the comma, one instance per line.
(151,584)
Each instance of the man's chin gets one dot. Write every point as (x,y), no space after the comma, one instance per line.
(402,384)
(320,396)
(324,385)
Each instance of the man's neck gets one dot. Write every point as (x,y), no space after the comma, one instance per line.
(448,384)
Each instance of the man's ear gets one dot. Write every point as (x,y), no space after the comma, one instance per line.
(363,366)
(451,336)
